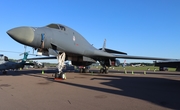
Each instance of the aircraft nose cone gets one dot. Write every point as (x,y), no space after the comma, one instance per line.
(24,35)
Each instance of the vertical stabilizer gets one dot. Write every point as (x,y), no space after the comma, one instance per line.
(23,62)
(25,57)
(104,45)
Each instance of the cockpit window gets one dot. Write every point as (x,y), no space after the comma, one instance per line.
(56,26)
(62,28)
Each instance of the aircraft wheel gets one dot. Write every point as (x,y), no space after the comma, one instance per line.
(63,76)
(106,71)
(101,70)
(57,75)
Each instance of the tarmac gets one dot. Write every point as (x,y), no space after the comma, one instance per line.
(31,90)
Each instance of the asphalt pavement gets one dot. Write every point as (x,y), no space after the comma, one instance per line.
(31,90)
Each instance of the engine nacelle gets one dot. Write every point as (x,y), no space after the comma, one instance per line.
(80,60)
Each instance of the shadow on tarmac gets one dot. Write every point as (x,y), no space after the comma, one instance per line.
(163,92)
(142,72)
(28,71)
(160,91)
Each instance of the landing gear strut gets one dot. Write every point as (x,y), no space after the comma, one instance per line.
(61,59)
(104,70)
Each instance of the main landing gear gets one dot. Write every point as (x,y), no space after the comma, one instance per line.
(61,59)
(104,70)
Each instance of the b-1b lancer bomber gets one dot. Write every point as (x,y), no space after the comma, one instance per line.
(67,44)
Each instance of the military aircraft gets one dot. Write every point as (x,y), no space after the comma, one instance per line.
(67,44)
(38,64)
(5,64)
(136,65)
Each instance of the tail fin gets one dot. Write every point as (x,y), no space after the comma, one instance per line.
(104,45)
(25,57)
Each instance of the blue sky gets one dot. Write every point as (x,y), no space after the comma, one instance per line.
(138,27)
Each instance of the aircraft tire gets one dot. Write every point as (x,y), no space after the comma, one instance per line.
(101,70)
(57,75)
(106,71)
(62,76)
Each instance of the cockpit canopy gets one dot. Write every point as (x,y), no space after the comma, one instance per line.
(57,26)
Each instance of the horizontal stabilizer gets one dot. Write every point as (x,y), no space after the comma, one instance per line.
(113,51)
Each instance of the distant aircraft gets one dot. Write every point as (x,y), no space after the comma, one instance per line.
(66,44)
(136,65)
(37,64)
(5,64)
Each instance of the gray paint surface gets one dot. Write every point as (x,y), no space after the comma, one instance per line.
(67,40)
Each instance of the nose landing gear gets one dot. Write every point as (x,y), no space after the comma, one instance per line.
(60,74)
